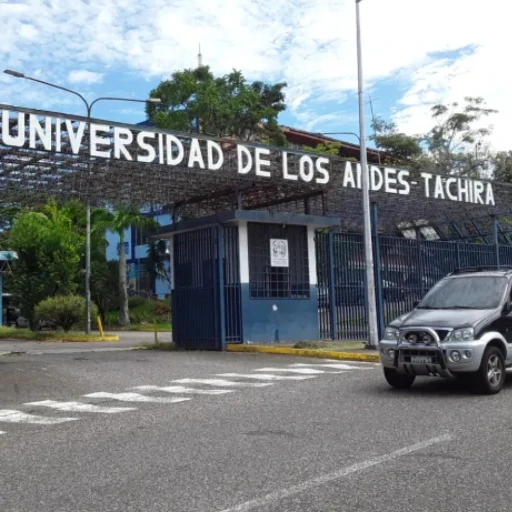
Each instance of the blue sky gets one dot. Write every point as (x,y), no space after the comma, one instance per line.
(416,54)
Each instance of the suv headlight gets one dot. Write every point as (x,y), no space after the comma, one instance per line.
(461,335)
(391,334)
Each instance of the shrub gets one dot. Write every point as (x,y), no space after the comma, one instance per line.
(135,302)
(65,311)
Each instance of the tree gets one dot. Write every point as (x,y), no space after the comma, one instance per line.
(157,255)
(48,249)
(457,142)
(325,148)
(194,100)
(119,222)
(397,145)
(105,286)
(502,165)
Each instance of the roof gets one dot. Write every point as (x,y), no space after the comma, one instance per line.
(30,173)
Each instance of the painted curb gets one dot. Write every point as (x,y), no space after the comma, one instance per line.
(306,352)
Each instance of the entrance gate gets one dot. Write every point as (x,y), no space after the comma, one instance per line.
(404,271)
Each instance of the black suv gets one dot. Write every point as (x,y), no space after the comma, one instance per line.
(461,328)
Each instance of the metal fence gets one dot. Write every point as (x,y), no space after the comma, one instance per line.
(404,269)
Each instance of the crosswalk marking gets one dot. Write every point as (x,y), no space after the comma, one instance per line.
(336,366)
(136,397)
(223,383)
(265,376)
(184,390)
(79,407)
(304,371)
(11,416)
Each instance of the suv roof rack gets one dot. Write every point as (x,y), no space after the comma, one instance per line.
(488,268)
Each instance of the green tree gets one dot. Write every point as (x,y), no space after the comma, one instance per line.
(398,146)
(457,143)
(118,222)
(48,262)
(502,166)
(325,148)
(194,100)
(157,255)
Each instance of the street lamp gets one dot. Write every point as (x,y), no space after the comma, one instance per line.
(89,106)
(368,249)
(342,133)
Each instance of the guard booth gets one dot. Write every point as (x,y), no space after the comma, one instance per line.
(245,277)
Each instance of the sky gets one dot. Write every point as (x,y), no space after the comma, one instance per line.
(415,54)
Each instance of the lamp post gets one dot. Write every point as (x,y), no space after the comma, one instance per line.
(368,249)
(88,106)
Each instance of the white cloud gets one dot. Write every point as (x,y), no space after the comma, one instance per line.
(85,77)
(308,43)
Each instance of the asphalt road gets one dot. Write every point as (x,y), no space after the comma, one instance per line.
(331,442)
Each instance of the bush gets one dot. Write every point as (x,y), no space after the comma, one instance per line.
(65,311)
(135,302)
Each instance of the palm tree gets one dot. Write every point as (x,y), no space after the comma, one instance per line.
(119,222)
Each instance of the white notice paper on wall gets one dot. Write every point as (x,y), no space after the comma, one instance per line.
(279,253)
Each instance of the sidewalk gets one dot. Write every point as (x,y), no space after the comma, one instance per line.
(127,341)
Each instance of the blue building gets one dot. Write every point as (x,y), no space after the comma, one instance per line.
(140,280)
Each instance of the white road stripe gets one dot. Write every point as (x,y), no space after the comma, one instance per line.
(281,494)
(79,407)
(223,383)
(10,416)
(304,371)
(2,432)
(136,397)
(265,376)
(336,366)
(184,390)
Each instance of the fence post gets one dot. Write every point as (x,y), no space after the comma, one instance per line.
(378,271)
(332,287)
(222,303)
(458,254)
(495,239)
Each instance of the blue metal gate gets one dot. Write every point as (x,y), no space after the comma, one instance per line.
(405,270)
(206,296)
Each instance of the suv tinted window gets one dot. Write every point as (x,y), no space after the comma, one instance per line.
(468,292)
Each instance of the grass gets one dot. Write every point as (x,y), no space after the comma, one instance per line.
(168,347)
(144,314)
(10,333)
(161,327)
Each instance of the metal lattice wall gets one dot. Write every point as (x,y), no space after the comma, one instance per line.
(405,271)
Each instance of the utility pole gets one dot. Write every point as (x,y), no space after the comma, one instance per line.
(368,249)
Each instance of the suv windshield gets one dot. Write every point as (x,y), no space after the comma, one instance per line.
(468,292)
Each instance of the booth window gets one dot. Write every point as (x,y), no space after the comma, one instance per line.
(268,282)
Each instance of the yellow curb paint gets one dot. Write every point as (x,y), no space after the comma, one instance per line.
(306,352)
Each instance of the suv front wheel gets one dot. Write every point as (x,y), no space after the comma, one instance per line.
(398,380)
(490,377)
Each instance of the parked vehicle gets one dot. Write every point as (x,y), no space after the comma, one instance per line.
(22,323)
(462,328)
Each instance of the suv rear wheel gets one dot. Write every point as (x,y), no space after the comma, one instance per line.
(397,380)
(490,377)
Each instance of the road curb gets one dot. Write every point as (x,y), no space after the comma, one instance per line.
(306,352)
(35,352)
